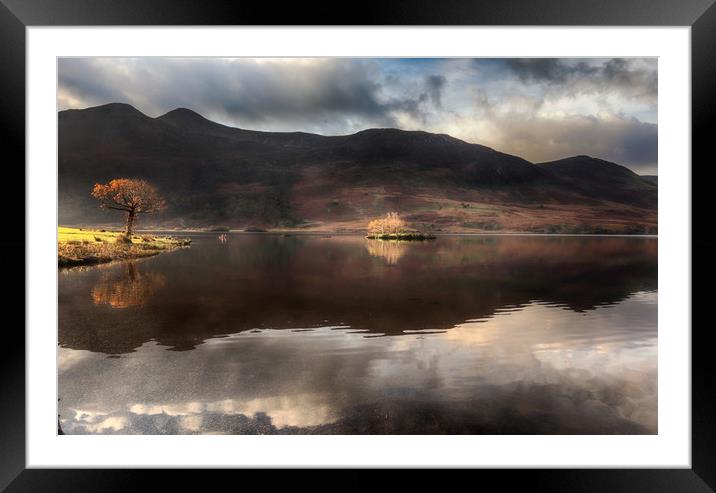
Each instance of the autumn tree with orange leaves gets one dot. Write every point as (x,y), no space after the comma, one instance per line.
(130,196)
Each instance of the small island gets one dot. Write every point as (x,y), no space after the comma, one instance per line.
(78,246)
(392,227)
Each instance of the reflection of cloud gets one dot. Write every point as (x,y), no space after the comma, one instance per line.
(536,369)
(132,288)
(391,251)
(191,423)
(114,423)
(542,327)
(98,422)
(303,410)
(67,358)
(183,409)
(605,360)
(294,410)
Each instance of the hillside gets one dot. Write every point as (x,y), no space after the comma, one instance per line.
(602,179)
(212,174)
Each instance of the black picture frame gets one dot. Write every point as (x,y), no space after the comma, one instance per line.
(16,15)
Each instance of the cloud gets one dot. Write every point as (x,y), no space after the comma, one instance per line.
(328,95)
(546,69)
(635,77)
(616,139)
(435,85)
(520,126)
(540,109)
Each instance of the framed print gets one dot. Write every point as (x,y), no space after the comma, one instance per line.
(446,237)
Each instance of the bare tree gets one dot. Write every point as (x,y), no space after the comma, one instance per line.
(390,224)
(130,196)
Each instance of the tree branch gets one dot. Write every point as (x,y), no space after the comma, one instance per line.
(125,209)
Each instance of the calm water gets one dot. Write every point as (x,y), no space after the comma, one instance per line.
(311,334)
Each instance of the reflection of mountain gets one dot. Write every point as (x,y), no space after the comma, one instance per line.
(539,370)
(130,288)
(297,282)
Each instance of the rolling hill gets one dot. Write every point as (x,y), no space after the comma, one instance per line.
(212,175)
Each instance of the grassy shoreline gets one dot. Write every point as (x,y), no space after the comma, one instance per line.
(435,232)
(76,246)
(359,232)
(402,236)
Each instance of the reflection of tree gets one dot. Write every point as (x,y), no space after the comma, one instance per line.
(391,251)
(131,288)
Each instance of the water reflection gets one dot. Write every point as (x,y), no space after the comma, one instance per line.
(496,335)
(276,282)
(127,288)
(391,251)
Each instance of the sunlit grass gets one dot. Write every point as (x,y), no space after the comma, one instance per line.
(65,235)
(77,246)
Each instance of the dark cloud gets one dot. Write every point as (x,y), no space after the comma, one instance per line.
(538,108)
(547,69)
(79,79)
(290,95)
(637,77)
(435,85)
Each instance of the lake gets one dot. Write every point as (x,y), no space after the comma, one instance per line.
(342,335)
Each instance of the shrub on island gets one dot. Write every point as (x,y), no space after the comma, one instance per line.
(393,227)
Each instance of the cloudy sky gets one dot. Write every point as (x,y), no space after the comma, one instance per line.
(540,109)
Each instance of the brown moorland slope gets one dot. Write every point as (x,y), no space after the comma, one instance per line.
(213,175)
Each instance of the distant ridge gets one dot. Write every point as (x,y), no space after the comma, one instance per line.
(213,174)
(599,178)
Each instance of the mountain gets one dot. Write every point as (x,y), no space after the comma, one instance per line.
(212,174)
(651,178)
(604,180)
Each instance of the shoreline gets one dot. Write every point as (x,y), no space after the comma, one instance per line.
(363,234)
(87,247)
